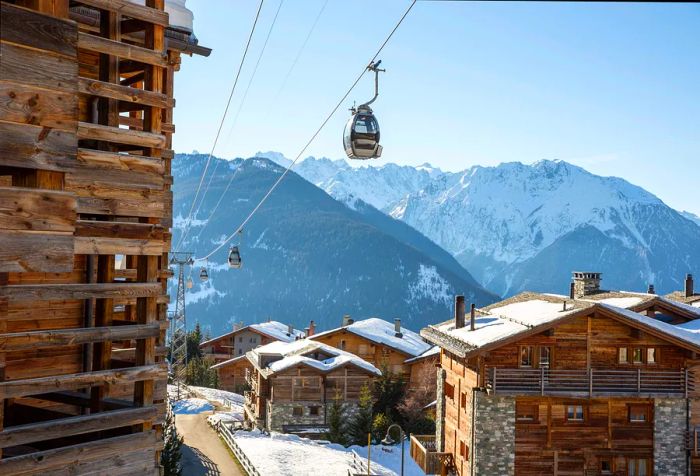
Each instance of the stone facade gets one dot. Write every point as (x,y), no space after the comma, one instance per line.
(670,420)
(281,414)
(440,411)
(494,435)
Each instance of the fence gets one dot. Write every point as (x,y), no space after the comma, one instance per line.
(358,466)
(423,451)
(231,442)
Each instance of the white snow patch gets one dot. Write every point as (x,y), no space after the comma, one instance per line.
(429,285)
(191,406)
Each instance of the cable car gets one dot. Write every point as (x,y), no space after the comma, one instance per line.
(234,258)
(361,135)
(189,283)
(203,275)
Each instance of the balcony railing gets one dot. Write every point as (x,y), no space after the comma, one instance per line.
(692,440)
(593,382)
(423,451)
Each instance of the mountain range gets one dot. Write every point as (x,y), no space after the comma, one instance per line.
(307,256)
(522,227)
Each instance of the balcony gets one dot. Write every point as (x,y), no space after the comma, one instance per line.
(590,383)
(423,451)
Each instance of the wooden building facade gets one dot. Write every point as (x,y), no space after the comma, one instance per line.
(542,384)
(86,119)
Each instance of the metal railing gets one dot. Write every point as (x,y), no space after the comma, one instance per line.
(358,466)
(601,382)
(227,436)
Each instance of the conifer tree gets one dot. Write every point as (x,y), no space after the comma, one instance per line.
(171,454)
(361,423)
(336,421)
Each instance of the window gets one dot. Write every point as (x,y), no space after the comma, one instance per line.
(463,401)
(545,357)
(342,345)
(605,466)
(526,356)
(638,413)
(298,411)
(651,355)
(526,412)
(240,339)
(637,467)
(449,391)
(622,355)
(574,413)
(637,355)
(314,411)
(463,450)
(240,351)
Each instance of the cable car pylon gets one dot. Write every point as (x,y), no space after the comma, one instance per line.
(178,337)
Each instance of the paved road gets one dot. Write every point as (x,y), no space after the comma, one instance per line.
(203,453)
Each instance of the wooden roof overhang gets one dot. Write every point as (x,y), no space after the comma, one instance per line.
(464,350)
(667,305)
(374,342)
(233,333)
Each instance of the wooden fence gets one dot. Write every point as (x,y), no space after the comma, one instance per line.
(240,454)
(423,451)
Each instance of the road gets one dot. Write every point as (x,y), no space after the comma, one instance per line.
(203,453)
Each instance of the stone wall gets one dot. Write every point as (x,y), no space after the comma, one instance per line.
(494,435)
(440,411)
(670,421)
(281,414)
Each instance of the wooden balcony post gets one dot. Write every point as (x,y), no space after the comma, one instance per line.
(639,381)
(542,380)
(685,376)
(494,380)
(590,382)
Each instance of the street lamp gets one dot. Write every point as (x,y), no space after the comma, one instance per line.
(388,440)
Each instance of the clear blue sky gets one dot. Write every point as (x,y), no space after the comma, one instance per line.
(614,88)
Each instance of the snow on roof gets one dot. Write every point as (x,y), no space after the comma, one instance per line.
(684,332)
(382,332)
(622,301)
(228,362)
(296,353)
(275,329)
(532,312)
(434,350)
(693,309)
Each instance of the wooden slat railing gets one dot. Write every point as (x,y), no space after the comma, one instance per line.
(590,382)
(423,451)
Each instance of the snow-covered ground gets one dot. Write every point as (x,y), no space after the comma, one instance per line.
(191,406)
(203,399)
(278,454)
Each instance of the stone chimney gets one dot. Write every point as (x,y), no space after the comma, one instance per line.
(459,312)
(312,329)
(586,283)
(347,320)
(306,331)
(572,290)
(650,289)
(472,317)
(689,285)
(397,328)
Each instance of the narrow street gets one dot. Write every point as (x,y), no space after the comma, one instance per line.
(203,452)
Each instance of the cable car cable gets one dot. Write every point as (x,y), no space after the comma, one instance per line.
(221,124)
(308,143)
(235,120)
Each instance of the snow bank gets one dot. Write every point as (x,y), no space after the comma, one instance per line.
(216,395)
(191,406)
(279,454)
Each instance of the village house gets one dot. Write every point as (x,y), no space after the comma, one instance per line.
(293,384)
(242,339)
(86,125)
(385,345)
(594,382)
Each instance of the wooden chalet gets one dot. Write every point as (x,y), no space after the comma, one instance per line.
(242,339)
(86,124)
(688,295)
(594,383)
(293,384)
(383,344)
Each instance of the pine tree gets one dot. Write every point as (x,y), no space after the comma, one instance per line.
(388,390)
(336,421)
(170,456)
(361,423)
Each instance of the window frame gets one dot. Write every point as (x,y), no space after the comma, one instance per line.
(530,350)
(449,391)
(314,410)
(584,413)
(636,459)
(645,350)
(646,412)
(521,414)
(602,460)
(298,411)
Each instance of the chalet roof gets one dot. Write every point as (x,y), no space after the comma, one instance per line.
(273,329)
(434,350)
(382,332)
(502,321)
(301,352)
(679,296)
(228,362)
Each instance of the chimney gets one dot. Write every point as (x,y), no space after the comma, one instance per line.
(312,329)
(306,332)
(347,320)
(472,318)
(689,291)
(397,328)
(564,306)
(290,330)
(572,290)
(650,289)
(586,283)
(459,312)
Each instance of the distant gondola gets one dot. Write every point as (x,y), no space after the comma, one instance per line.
(361,135)
(203,275)
(234,258)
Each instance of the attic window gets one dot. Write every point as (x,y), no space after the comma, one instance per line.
(574,413)
(449,391)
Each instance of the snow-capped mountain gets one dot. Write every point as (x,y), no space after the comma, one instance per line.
(308,257)
(517,226)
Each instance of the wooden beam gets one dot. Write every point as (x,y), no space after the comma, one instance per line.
(123,93)
(113,246)
(126,230)
(129,9)
(60,337)
(39,31)
(37,386)
(125,273)
(41,461)
(120,136)
(49,292)
(22,252)
(37,210)
(81,400)
(122,50)
(64,427)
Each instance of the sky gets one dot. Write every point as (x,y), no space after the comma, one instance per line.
(614,88)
